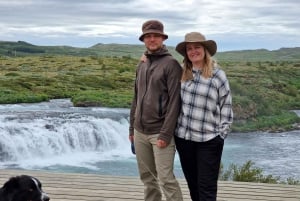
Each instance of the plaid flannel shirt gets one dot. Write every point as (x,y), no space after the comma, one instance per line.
(206,110)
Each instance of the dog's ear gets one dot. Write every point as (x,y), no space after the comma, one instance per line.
(12,184)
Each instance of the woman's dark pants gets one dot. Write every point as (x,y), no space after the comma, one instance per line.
(200,162)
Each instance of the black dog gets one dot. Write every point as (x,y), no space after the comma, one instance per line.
(23,188)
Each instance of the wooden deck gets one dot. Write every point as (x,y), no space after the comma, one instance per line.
(90,187)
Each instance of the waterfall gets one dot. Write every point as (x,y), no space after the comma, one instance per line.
(47,131)
(55,136)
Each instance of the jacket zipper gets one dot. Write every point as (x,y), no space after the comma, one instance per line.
(141,121)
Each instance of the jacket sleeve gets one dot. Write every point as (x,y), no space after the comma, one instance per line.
(173,76)
(132,110)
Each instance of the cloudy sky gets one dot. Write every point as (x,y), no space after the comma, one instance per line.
(233,24)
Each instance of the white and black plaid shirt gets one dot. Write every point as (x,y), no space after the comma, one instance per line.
(206,110)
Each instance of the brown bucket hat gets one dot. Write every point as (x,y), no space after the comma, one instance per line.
(196,37)
(152,26)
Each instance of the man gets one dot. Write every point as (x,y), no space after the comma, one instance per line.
(153,115)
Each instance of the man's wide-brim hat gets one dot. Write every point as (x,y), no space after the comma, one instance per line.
(153,26)
(196,37)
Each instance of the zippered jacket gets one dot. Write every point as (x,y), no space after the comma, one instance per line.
(156,102)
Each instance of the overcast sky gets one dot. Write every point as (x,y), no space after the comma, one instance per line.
(233,24)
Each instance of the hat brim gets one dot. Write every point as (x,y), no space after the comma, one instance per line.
(210,45)
(141,38)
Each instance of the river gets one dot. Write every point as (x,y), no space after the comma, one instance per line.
(55,136)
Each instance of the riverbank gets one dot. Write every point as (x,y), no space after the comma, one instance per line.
(297,125)
(108,82)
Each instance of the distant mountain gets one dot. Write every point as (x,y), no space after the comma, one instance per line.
(21,48)
(283,54)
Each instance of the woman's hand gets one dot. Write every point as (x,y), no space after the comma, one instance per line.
(143,58)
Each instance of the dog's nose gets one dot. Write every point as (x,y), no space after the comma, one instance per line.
(46,198)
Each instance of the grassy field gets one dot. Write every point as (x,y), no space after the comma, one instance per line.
(263,91)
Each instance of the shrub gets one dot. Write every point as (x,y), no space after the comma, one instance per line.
(249,173)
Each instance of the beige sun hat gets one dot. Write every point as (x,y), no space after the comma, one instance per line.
(196,37)
(152,26)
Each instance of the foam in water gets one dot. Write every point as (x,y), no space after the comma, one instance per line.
(29,139)
(59,137)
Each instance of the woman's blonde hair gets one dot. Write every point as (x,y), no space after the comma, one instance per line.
(207,70)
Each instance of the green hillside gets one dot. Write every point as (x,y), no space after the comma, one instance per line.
(22,48)
(283,54)
(265,84)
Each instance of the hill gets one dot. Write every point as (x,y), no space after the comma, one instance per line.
(21,48)
(282,54)
(263,92)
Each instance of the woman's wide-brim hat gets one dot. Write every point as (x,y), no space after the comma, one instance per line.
(153,26)
(196,37)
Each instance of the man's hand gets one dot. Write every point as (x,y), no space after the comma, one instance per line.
(131,138)
(161,144)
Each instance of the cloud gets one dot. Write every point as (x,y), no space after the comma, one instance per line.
(233,24)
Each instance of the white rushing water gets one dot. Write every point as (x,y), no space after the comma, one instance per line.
(55,133)
(56,136)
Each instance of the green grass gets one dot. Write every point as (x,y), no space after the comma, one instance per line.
(263,92)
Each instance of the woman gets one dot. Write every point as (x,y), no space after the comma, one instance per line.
(205,117)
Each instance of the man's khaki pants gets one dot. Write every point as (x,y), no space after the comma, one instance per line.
(156,168)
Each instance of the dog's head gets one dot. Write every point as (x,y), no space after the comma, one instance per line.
(23,188)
